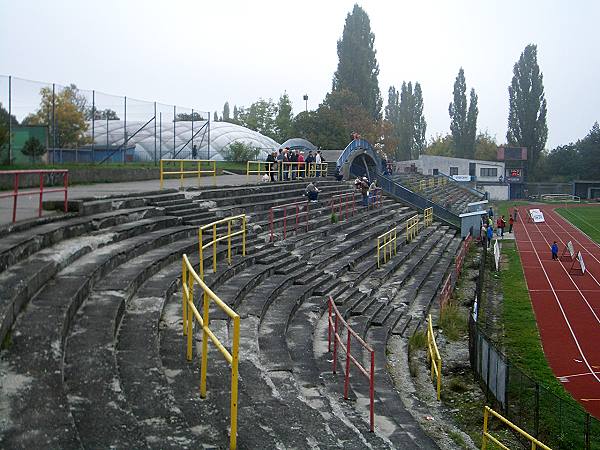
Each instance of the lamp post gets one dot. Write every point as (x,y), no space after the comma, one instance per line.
(306,100)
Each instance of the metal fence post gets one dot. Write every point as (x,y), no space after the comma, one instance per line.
(208,136)
(124,130)
(9,119)
(174,119)
(93,122)
(160,136)
(54,120)
(154,133)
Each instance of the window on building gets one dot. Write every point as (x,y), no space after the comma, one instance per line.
(453,171)
(436,172)
(488,172)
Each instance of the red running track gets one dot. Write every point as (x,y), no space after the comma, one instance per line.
(566,303)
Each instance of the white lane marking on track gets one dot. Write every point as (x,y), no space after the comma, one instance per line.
(571,278)
(563,311)
(572,236)
(577,375)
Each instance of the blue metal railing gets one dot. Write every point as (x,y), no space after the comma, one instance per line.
(415,200)
(356,143)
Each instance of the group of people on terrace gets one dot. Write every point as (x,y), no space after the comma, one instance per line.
(367,190)
(290,164)
(487,226)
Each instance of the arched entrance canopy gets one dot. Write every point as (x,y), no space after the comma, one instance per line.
(359,159)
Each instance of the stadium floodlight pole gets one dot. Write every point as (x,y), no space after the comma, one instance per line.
(107,133)
(124,130)
(174,119)
(306,101)
(208,137)
(192,129)
(54,120)
(154,133)
(160,135)
(93,121)
(9,119)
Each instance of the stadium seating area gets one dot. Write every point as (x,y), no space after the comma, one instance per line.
(93,350)
(450,195)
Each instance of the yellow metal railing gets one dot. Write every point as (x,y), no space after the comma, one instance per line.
(313,168)
(422,185)
(433,355)
(388,243)
(260,168)
(187,167)
(189,278)
(432,182)
(428,216)
(412,228)
(486,435)
(229,221)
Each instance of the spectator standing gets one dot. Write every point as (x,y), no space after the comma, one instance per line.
(372,192)
(301,165)
(554,250)
(490,235)
(364,189)
(502,225)
(286,166)
(194,152)
(483,233)
(318,161)
(515,211)
(499,226)
(490,213)
(271,161)
(280,165)
(511,222)
(294,161)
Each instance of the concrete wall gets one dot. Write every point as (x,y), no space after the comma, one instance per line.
(77,176)
(495,191)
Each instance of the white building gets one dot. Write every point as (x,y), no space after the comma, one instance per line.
(461,169)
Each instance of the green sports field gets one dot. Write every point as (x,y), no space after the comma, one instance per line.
(586,218)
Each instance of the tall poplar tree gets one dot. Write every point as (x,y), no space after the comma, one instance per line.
(226,112)
(283,120)
(527,107)
(392,117)
(405,129)
(463,118)
(358,69)
(419,124)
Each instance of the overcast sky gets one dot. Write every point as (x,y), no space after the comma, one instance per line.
(200,54)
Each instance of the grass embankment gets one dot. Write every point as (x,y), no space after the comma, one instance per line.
(587,219)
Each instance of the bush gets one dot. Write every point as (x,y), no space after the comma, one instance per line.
(240,151)
(33,148)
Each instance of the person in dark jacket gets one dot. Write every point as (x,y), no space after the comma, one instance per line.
(271,165)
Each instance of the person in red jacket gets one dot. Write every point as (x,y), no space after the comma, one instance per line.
(301,170)
(511,222)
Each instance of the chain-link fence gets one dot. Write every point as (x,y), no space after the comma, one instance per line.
(76,125)
(557,422)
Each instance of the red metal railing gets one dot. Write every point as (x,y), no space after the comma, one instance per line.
(452,277)
(301,212)
(16,193)
(345,204)
(336,321)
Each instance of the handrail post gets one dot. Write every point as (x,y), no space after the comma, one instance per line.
(485,429)
(66,181)
(203,367)
(347,378)
(372,392)
(307,213)
(284,222)
(190,332)
(297,217)
(214,248)
(234,382)
(161,173)
(184,295)
(229,242)
(181,170)
(201,253)
(378,246)
(41,193)
(335,343)
(16,194)
(329,325)
(244,235)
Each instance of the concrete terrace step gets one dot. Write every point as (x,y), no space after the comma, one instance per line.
(90,364)
(36,351)
(18,245)
(22,280)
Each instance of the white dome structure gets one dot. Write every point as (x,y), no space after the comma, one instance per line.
(111,134)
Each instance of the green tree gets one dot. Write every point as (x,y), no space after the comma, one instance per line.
(486,148)
(236,114)
(69,116)
(419,123)
(589,150)
(322,127)
(440,145)
(104,114)
(354,118)
(283,120)
(392,124)
(358,69)
(463,119)
(406,135)
(5,121)
(471,131)
(240,152)
(188,117)
(226,112)
(33,148)
(527,107)
(260,116)
(215,117)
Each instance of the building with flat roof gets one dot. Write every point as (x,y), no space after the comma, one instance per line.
(461,169)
